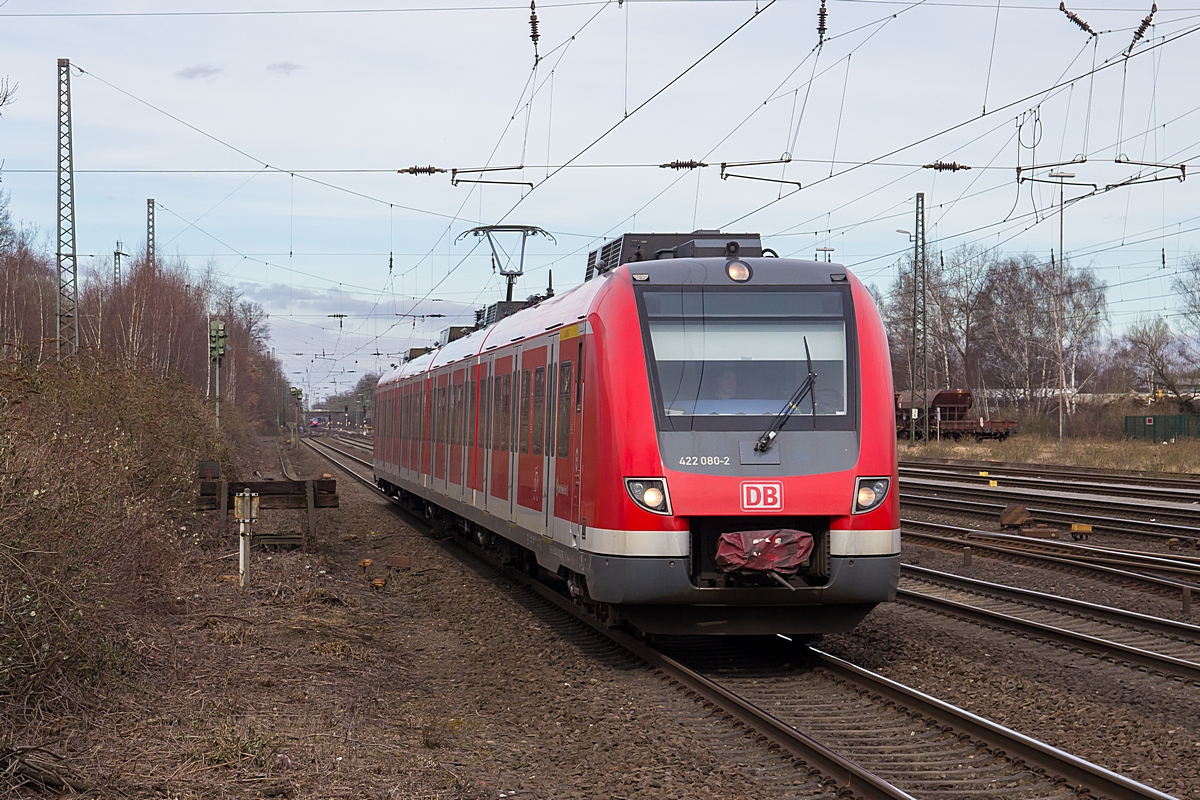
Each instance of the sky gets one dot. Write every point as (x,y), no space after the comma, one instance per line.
(271,133)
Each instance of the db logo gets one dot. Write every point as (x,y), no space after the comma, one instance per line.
(762,496)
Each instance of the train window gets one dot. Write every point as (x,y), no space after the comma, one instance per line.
(496,406)
(460,411)
(722,354)
(505,412)
(525,386)
(472,431)
(564,410)
(539,410)
(579,381)
(551,374)
(516,400)
(440,410)
(460,407)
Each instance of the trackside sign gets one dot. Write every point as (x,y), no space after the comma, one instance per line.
(762,496)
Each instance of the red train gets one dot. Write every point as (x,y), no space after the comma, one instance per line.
(700,440)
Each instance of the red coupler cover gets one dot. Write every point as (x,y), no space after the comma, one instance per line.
(781,551)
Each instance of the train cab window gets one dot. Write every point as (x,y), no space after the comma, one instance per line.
(539,410)
(525,386)
(728,360)
(564,409)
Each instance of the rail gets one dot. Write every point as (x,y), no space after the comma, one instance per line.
(861,782)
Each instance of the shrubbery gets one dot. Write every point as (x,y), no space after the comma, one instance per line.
(96,463)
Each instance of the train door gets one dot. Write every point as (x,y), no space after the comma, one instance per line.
(405,428)
(578,525)
(566,481)
(387,420)
(499,501)
(477,431)
(454,433)
(548,459)
(441,406)
(425,408)
(531,439)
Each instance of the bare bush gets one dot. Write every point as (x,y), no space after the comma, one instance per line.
(95,472)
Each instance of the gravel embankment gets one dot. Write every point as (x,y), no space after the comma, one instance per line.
(447,682)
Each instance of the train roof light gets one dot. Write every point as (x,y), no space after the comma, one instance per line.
(738,271)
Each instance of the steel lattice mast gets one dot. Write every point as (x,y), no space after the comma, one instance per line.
(150,230)
(918,371)
(68,268)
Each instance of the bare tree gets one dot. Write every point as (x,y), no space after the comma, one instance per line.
(8,94)
(1162,359)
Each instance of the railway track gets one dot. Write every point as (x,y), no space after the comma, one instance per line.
(1042,553)
(1061,472)
(1044,507)
(1162,645)
(867,735)
(1085,484)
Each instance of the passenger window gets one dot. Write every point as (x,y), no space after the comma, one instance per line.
(551,374)
(564,410)
(579,381)
(442,411)
(472,432)
(506,413)
(539,409)
(524,437)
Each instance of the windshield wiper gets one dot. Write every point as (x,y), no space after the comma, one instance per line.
(808,387)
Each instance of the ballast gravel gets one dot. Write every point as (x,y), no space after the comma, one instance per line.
(445,682)
(1144,725)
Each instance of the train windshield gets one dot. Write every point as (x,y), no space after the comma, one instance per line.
(722,354)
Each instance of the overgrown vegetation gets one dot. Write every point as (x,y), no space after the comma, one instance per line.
(96,461)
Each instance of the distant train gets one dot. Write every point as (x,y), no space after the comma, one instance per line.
(697,439)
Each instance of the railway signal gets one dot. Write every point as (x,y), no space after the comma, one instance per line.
(216,357)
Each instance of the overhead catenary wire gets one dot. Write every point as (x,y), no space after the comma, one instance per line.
(641,105)
(956,126)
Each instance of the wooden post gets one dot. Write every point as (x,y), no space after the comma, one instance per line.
(223,491)
(310,495)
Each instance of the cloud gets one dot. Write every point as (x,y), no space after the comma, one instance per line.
(198,71)
(284,67)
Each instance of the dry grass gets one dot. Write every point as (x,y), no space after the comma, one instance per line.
(96,464)
(1180,456)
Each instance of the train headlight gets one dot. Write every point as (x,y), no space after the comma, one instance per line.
(738,271)
(870,494)
(649,493)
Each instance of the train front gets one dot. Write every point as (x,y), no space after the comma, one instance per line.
(755,452)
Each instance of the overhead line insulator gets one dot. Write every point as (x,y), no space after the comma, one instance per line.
(1071,15)
(693,164)
(416,170)
(533,27)
(1141,31)
(946,166)
(822,27)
